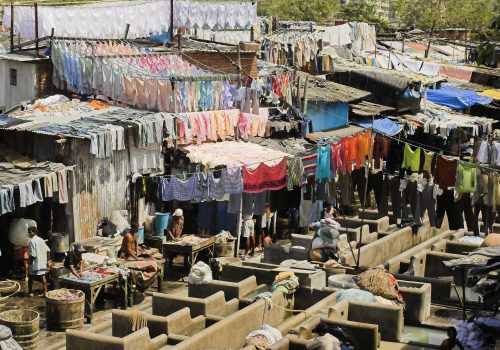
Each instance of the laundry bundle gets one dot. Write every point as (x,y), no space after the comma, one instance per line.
(380,283)
(285,282)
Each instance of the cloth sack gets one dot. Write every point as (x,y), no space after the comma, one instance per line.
(377,281)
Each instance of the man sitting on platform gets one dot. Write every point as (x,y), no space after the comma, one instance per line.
(176,226)
(130,247)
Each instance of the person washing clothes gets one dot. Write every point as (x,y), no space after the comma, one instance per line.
(38,252)
(329,212)
(73,261)
(324,245)
(130,247)
(176,226)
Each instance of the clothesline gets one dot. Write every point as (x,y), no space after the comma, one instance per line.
(223,168)
(428,149)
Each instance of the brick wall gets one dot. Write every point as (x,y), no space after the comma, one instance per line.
(218,63)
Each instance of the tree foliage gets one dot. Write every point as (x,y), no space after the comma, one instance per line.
(363,11)
(487,47)
(319,11)
(470,14)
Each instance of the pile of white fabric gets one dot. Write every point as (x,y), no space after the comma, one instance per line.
(263,338)
(223,237)
(298,264)
(200,273)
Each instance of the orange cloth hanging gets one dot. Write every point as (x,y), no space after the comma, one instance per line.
(350,151)
(365,148)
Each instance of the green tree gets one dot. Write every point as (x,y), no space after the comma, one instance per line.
(488,38)
(363,11)
(470,14)
(319,11)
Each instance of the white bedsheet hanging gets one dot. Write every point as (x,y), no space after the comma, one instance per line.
(96,21)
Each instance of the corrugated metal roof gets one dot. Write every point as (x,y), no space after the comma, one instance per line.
(365,108)
(334,135)
(327,91)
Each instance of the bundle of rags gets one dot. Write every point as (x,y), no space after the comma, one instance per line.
(379,282)
(286,282)
(137,320)
(143,273)
(263,338)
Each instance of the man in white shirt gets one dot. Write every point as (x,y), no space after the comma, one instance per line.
(38,252)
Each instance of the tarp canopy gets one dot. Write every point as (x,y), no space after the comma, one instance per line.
(456,98)
(385,125)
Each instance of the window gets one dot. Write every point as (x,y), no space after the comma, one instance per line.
(13,77)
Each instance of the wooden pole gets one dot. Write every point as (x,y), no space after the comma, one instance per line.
(367,174)
(11,26)
(299,100)
(36,31)
(127,28)
(171,29)
(429,44)
(304,108)
(238,228)
(252,32)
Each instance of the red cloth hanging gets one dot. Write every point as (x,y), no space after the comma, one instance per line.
(265,177)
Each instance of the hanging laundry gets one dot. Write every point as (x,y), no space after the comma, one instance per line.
(446,170)
(466,177)
(323,168)
(181,190)
(365,148)
(265,177)
(350,152)
(309,160)
(411,159)
(337,157)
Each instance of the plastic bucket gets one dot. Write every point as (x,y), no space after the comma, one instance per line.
(161,223)
(140,235)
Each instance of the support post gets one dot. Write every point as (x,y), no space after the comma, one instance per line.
(367,173)
(429,43)
(304,108)
(238,228)
(252,32)
(171,29)
(11,26)
(127,28)
(299,99)
(37,48)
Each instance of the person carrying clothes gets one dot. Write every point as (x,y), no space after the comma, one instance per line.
(176,226)
(38,252)
(73,261)
(324,245)
(130,247)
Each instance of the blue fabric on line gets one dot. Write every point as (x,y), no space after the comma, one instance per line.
(385,125)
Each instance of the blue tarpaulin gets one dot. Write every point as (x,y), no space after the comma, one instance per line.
(456,98)
(385,125)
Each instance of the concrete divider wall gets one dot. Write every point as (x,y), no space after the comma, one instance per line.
(230,332)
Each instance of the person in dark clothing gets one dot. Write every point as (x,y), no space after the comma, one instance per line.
(73,260)
(452,342)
